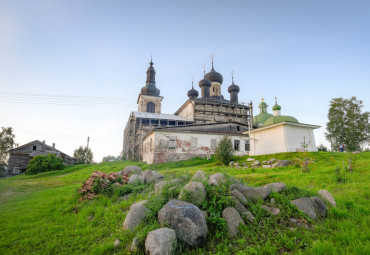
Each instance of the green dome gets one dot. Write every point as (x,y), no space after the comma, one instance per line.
(276,107)
(262,117)
(278,119)
(262,104)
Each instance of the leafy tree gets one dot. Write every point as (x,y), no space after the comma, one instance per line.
(224,150)
(6,143)
(322,147)
(44,163)
(347,124)
(83,155)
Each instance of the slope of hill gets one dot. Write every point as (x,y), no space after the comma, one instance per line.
(42,214)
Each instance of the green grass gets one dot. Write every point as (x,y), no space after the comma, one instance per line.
(41,214)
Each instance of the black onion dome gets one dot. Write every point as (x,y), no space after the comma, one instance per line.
(150,90)
(214,76)
(205,82)
(193,93)
(233,88)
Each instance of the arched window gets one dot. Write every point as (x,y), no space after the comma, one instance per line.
(150,107)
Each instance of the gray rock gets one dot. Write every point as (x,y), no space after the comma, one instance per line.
(326,196)
(298,223)
(281,163)
(246,215)
(252,192)
(135,246)
(266,166)
(272,201)
(161,242)
(250,159)
(149,176)
(233,220)
(276,186)
(264,162)
(136,179)
(199,176)
(237,194)
(231,163)
(135,215)
(216,179)
(193,192)
(273,210)
(305,205)
(117,243)
(186,219)
(320,206)
(236,165)
(130,170)
(157,175)
(159,186)
(271,161)
(124,198)
(256,163)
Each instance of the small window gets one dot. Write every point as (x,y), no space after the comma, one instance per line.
(238,128)
(213,144)
(154,122)
(172,143)
(34,147)
(150,107)
(247,145)
(236,145)
(180,123)
(172,123)
(164,122)
(145,122)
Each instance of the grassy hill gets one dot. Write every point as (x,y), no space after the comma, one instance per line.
(41,214)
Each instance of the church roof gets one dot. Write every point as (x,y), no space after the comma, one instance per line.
(278,119)
(161,116)
(262,117)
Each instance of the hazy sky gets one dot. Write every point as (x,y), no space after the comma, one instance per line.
(72,69)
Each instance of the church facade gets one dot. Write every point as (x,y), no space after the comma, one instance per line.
(201,122)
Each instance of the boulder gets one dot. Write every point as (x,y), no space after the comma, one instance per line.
(272,201)
(161,242)
(250,159)
(305,205)
(327,197)
(130,170)
(135,245)
(186,219)
(256,163)
(236,165)
(193,192)
(320,206)
(135,215)
(159,186)
(273,210)
(199,176)
(157,175)
(266,166)
(276,186)
(298,223)
(216,179)
(233,220)
(149,176)
(136,179)
(246,215)
(237,194)
(252,192)
(271,161)
(281,163)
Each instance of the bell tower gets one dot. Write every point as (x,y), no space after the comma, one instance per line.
(149,99)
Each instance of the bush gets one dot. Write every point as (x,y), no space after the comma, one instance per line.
(224,151)
(322,147)
(45,163)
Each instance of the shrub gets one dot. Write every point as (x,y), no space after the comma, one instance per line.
(224,151)
(322,147)
(44,163)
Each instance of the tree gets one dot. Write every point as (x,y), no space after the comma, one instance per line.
(6,143)
(224,150)
(44,163)
(83,155)
(347,124)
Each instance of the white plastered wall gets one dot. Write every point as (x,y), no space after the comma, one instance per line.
(187,112)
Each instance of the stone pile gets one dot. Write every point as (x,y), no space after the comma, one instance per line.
(182,219)
(271,163)
(87,188)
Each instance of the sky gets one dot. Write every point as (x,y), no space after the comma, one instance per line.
(72,69)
